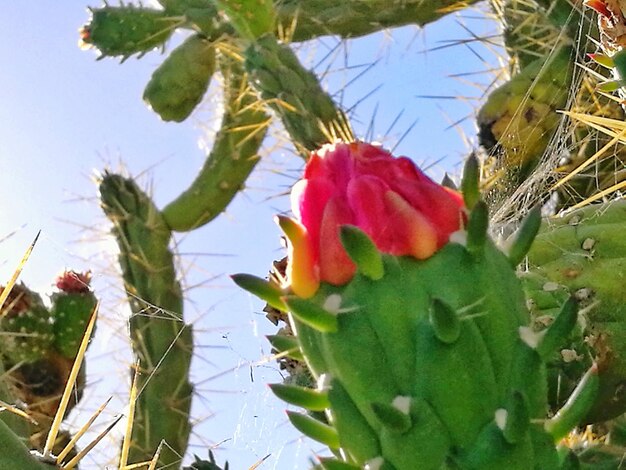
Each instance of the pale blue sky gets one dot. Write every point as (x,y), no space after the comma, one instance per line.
(64,115)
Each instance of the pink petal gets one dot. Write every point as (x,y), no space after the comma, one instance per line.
(335,265)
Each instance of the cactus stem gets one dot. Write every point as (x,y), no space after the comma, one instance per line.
(445,322)
(311,314)
(314,429)
(523,238)
(313,400)
(265,290)
(363,252)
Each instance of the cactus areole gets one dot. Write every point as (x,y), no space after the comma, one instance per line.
(413,322)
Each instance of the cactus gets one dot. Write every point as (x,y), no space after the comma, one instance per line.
(414,349)
(583,253)
(181,81)
(160,338)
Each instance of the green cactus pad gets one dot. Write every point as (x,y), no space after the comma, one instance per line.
(126,30)
(180,82)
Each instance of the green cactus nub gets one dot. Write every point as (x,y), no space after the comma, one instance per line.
(517,418)
(312,314)
(576,407)
(126,30)
(557,333)
(362,251)
(445,322)
(470,182)
(312,400)
(522,239)
(477,227)
(287,345)
(178,85)
(392,418)
(314,429)
(250,18)
(265,290)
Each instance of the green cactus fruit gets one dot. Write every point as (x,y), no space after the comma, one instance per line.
(126,30)
(72,307)
(308,113)
(234,155)
(161,341)
(26,327)
(519,118)
(429,366)
(178,85)
(585,253)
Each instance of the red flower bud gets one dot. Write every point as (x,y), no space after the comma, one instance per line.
(73,282)
(403,211)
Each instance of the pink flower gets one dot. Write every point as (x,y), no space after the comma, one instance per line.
(403,211)
(72,282)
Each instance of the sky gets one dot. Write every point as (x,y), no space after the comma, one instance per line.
(65,117)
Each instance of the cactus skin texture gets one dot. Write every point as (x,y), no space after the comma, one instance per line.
(519,118)
(584,252)
(160,338)
(27,326)
(423,363)
(308,113)
(232,158)
(180,82)
(72,307)
(127,30)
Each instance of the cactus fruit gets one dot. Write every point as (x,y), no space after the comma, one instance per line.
(180,82)
(161,341)
(126,30)
(421,361)
(72,307)
(26,326)
(584,252)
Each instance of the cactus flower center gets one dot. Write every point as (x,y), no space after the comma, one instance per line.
(403,211)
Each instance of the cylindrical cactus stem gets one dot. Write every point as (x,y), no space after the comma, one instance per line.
(161,340)
(395,294)
(308,112)
(585,253)
(232,158)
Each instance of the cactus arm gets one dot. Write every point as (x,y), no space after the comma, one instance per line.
(180,82)
(160,338)
(308,113)
(231,160)
(15,454)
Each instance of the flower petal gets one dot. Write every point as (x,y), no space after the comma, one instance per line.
(302,269)
(335,265)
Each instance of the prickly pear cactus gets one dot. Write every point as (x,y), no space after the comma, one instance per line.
(394,291)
